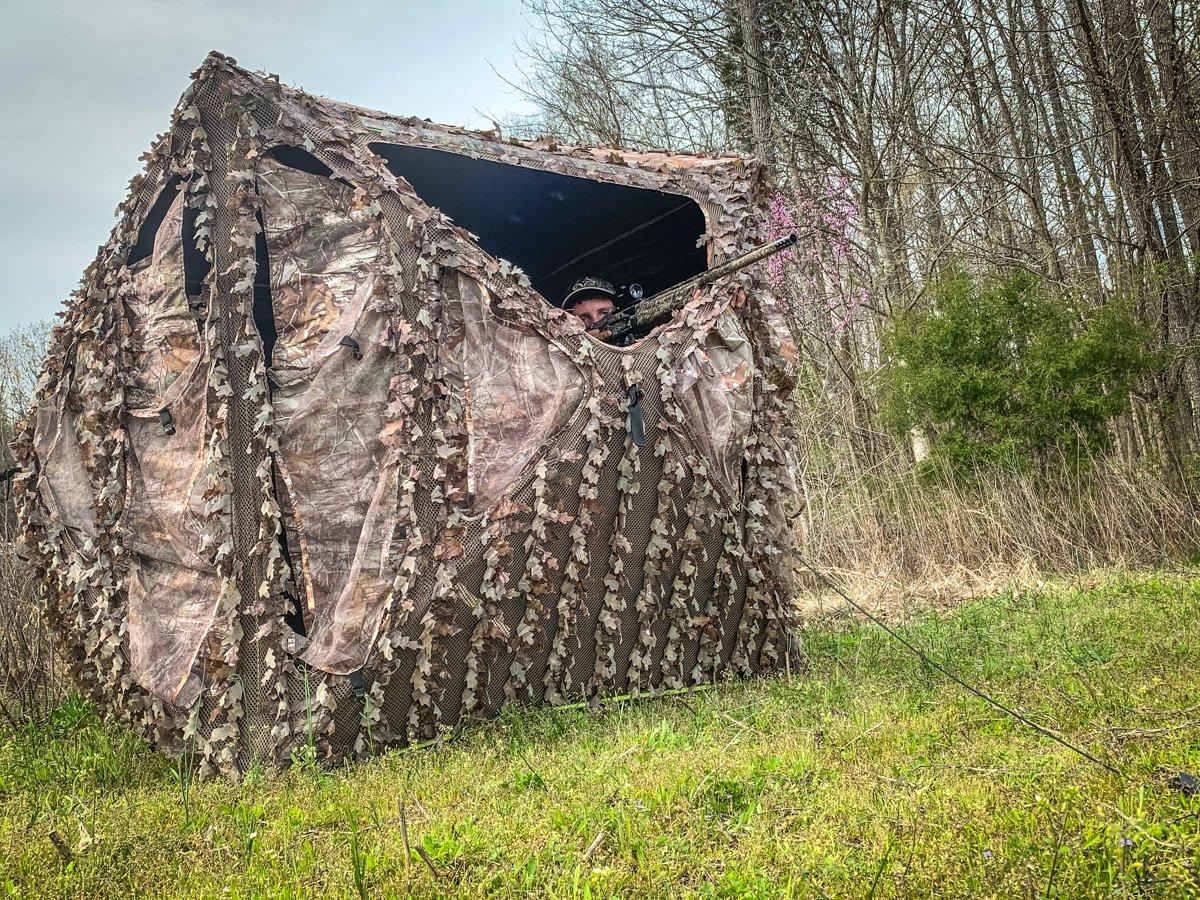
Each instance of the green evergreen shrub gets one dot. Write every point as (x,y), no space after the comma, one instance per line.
(1003,372)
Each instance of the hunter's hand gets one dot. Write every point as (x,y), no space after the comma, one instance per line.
(600,329)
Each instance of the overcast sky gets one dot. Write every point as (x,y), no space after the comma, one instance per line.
(85,85)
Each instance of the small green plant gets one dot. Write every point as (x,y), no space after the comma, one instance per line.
(528,780)
(358,862)
(248,820)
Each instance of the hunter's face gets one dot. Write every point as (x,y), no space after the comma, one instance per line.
(592,310)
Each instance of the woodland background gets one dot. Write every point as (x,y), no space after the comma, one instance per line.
(997,288)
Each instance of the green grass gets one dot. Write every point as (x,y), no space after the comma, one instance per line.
(870,776)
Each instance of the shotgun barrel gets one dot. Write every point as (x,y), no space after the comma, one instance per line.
(650,311)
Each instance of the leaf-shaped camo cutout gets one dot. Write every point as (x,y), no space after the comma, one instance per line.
(171,578)
(519,390)
(161,330)
(715,386)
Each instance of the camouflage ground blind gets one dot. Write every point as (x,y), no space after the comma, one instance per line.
(410,497)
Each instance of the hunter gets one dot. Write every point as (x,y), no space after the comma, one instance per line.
(591,300)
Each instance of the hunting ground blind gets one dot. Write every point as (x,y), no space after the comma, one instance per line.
(313,462)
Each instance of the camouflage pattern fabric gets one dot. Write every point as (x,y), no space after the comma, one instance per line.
(163,340)
(716,389)
(517,390)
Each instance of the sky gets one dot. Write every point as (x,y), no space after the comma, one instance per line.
(85,85)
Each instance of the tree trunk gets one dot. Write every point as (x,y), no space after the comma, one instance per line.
(761,129)
(1064,147)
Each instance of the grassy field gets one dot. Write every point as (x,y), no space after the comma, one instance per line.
(871,776)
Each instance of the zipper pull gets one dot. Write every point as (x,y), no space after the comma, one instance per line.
(350,342)
(637,425)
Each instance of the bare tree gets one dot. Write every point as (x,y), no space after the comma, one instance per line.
(1056,136)
(30,678)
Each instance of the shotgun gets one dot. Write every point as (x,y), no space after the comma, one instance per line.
(646,312)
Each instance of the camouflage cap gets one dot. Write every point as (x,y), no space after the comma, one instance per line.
(589,285)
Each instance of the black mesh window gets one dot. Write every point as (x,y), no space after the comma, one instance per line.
(559,228)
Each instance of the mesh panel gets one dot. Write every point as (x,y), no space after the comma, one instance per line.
(151,185)
(254,731)
(347,715)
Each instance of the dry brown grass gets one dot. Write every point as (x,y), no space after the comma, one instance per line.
(902,542)
(31,679)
